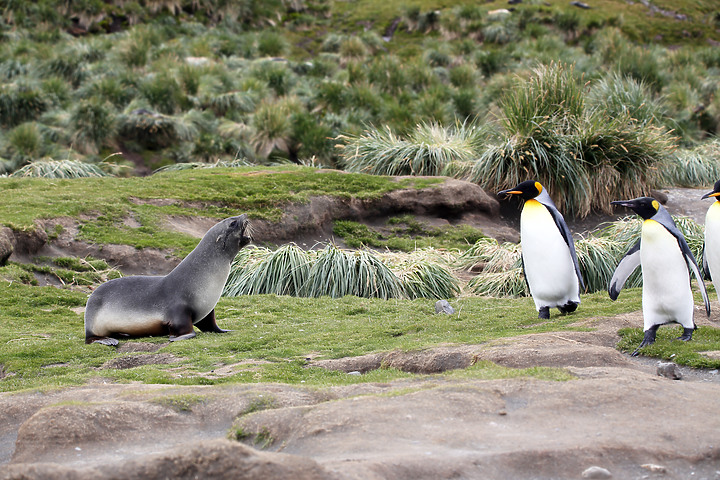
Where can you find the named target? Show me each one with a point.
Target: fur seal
(171, 304)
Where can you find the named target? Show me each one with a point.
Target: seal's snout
(247, 230)
(246, 233)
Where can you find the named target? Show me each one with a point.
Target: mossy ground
(272, 337)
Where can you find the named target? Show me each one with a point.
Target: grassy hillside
(147, 84)
(105, 203)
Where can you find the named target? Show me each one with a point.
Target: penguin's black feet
(544, 313)
(687, 334)
(648, 339)
(569, 307)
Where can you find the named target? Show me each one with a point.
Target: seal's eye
(233, 224)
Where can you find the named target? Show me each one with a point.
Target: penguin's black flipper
(705, 267)
(565, 232)
(692, 265)
(625, 268)
(522, 261)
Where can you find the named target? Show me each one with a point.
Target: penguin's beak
(710, 194)
(623, 203)
(509, 192)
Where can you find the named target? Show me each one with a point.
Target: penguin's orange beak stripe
(518, 192)
(716, 194)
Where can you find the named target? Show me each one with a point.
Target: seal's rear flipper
(208, 324)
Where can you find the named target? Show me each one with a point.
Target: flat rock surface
(616, 414)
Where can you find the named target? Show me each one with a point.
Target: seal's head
(234, 232)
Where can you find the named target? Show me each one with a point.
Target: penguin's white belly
(667, 296)
(549, 268)
(712, 243)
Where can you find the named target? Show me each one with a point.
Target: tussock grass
(193, 165)
(336, 272)
(583, 158)
(428, 150)
(425, 273)
(694, 168)
(261, 271)
(59, 169)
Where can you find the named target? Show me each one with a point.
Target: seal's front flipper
(208, 324)
(179, 323)
(110, 342)
(181, 337)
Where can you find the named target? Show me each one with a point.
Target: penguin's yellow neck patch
(652, 229)
(533, 208)
(715, 208)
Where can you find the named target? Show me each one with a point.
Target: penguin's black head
(646, 207)
(715, 192)
(527, 190)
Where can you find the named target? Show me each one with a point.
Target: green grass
(43, 338)
(405, 233)
(183, 402)
(667, 347)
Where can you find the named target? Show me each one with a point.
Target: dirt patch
(132, 361)
(131, 347)
(194, 226)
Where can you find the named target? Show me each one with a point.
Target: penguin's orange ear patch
(539, 187)
(656, 205)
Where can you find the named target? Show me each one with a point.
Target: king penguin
(711, 249)
(666, 262)
(549, 260)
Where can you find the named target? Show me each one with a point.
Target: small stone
(654, 468)
(669, 370)
(442, 306)
(596, 472)
(580, 5)
(354, 373)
